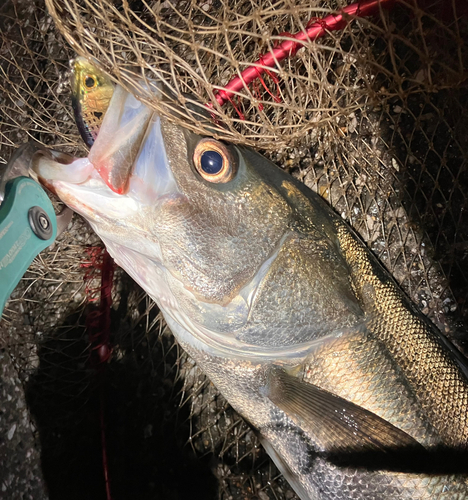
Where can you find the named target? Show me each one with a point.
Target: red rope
(98, 324)
(314, 29)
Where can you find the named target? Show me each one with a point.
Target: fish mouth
(128, 153)
(127, 160)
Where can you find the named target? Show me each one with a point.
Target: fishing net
(372, 116)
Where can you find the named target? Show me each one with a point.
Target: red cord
(98, 324)
(314, 29)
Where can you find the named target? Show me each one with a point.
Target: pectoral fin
(333, 423)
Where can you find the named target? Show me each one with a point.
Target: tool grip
(24, 231)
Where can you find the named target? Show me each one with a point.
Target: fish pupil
(211, 162)
(89, 82)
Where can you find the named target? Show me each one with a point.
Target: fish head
(197, 222)
(92, 90)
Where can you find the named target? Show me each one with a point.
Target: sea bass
(354, 394)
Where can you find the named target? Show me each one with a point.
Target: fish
(91, 91)
(352, 391)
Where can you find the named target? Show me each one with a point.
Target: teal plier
(28, 223)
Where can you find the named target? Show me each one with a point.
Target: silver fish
(354, 394)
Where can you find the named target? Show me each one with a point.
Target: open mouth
(115, 152)
(127, 158)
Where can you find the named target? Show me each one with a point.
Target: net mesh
(373, 117)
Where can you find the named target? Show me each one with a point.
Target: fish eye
(213, 161)
(89, 81)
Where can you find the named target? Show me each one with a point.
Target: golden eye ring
(213, 161)
(89, 81)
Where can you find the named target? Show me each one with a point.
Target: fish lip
(71, 193)
(63, 188)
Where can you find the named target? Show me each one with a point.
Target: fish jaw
(117, 147)
(127, 164)
(128, 155)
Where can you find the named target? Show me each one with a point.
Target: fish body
(352, 391)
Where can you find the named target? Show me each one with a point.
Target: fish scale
(343, 368)
(414, 345)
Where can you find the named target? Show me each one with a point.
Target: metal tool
(28, 223)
